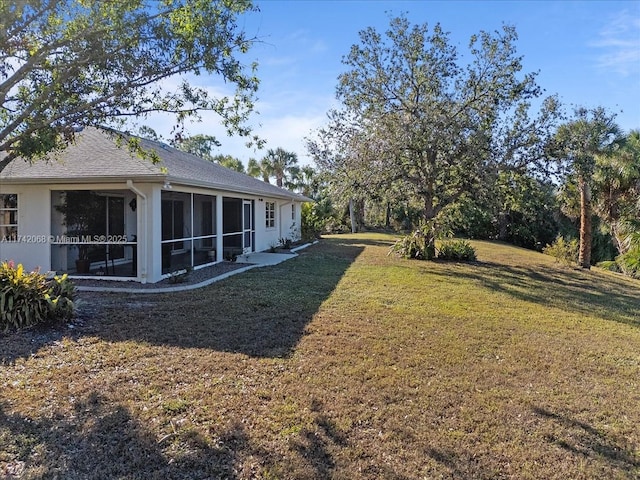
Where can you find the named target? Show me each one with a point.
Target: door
(247, 226)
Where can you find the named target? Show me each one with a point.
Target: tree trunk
(360, 214)
(618, 238)
(503, 223)
(429, 228)
(387, 217)
(352, 216)
(584, 258)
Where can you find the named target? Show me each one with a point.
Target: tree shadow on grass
(97, 440)
(317, 447)
(261, 313)
(583, 440)
(461, 464)
(584, 292)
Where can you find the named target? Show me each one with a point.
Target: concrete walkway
(263, 259)
(252, 260)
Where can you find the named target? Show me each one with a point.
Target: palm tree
(307, 181)
(617, 189)
(253, 168)
(266, 170)
(259, 169)
(293, 178)
(281, 164)
(591, 133)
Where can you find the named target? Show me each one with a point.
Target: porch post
(219, 242)
(153, 235)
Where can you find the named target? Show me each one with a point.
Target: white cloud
(290, 131)
(286, 130)
(620, 42)
(288, 109)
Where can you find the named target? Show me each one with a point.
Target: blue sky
(587, 52)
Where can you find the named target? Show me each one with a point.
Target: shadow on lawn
(260, 313)
(583, 440)
(586, 292)
(100, 440)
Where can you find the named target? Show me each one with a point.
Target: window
(270, 214)
(8, 216)
(293, 211)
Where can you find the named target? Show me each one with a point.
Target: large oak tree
(67, 63)
(435, 125)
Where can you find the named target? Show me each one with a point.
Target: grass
(342, 363)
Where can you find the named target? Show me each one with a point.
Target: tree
(253, 168)
(308, 182)
(340, 153)
(260, 169)
(617, 189)
(439, 128)
(149, 133)
(279, 163)
(577, 144)
(202, 146)
(230, 162)
(199, 145)
(65, 63)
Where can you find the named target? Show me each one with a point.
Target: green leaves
(457, 250)
(422, 120)
(563, 250)
(72, 62)
(280, 164)
(28, 298)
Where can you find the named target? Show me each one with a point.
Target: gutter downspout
(143, 269)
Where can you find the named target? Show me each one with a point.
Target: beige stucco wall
(34, 220)
(39, 224)
(38, 221)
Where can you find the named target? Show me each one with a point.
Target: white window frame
(5, 227)
(270, 215)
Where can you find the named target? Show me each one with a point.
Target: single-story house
(100, 209)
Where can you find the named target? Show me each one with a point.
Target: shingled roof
(97, 156)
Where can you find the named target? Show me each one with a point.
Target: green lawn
(343, 363)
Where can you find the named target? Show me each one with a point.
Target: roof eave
(82, 180)
(285, 195)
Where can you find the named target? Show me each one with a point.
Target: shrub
(629, 262)
(418, 245)
(312, 222)
(29, 298)
(609, 265)
(563, 251)
(285, 243)
(458, 250)
(320, 217)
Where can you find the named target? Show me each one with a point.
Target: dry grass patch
(341, 363)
